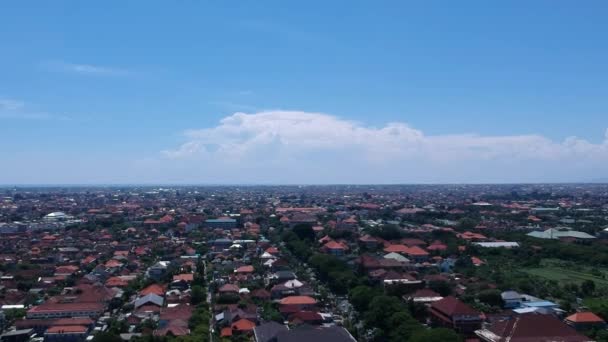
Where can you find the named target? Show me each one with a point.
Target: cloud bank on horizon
(302, 147)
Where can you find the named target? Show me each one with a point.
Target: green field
(565, 275)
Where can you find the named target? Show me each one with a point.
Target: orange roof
(325, 239)
(272, 250)
(88, 259)
(584, 317)
(298, 300)
(60, 329)
(335, 245)
(396, 249)
(154, 288)
(184, 277)
(116, 282)
(476, 261)
(415, 250)
(226, 332)
(245, 269)
(113, 263)
(243, 325)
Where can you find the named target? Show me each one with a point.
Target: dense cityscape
(305, 263)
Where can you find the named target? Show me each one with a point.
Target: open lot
(562, 274)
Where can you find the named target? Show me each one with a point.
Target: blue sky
(116, 92)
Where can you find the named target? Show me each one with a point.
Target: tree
(441, 287)
(387, 232)
(304, 232)
(198, 294)
(435, 335)
(588, 287)
(491, 297)
(361, 296)
(106, 337)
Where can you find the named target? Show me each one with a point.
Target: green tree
(106, 337)
(491, 297)
(588, 287)
(435, 335)
(361, 296)
(441, 287)
(304, 232)
(198, 294)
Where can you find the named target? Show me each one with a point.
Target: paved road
(209, 304)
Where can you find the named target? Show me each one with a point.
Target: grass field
(565, 275)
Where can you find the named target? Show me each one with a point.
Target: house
(562, 233)
(306, 317)
(452, 313)
(158, 270)
(424, 296)
(172, 330)
(248, 269)
(302, 218)
(512, 299)
(59, 310)
(305, 333)
(348, 224)
(335, 248)
(149, 299)
(268, 332)
(67, 333)
(540, 306)
(243, 326)
(469, 236)
(582, 321)
(369, 241)
(530, 327)
(417, 254)
(156, 289)
(397, 257)
(437, 247)
(497, 244)
(394, 277)
(401, 249)
(185, 278)
(176, 315)
(260, 294)
(297, 303)
(229, 288)
(282, 276)
(221, 223)
(22, 335)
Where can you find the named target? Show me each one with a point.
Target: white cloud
(14, 109)
(8, 104)
(301, 147)
(85, 69)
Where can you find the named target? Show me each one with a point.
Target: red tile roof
(335, 245)
(298, 300)
(584, 317)
(396, 249)
(245, 269)
(154, 288)
(534, 327)
(63, 307)
(243, 325)
(229, 288)
(451, 306)
(188, 277)
(226, 332)
(62, 329)
(416, 251)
